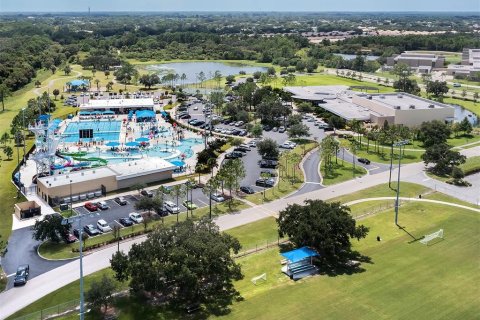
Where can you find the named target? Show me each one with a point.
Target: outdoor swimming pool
(102, 130)
(180, 151)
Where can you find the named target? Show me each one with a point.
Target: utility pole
(397, 203)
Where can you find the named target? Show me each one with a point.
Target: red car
(90, 206)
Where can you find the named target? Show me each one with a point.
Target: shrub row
(113, 240)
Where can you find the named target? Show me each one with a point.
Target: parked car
(281, 129)
(275, 129)
(242, 133)
(185, 116)
(247, 190)
(242, 149)
(120, 200)
(103, 226)
(234, 155)
(270, 173)
(268, 183)
(91, 230)
(69, 238)
(252, 144)
(192, 122)
(90, 207)
(189, 205)
(76, 233)
(21, 276)
(267, 127)
(171, 207)
(135, 217)
(217, 197)
(363, 160)
(126, 222)
(271, 164)
(147, 193)
(102, 205)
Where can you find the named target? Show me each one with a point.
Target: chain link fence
(53, 312)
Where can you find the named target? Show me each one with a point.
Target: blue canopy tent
(112, 144)
(108, 112)
(130, 115)
(179, 164)
(96, 112)
(300, 263)
(142, 139)
(84, 113)
(164, 114)
(145, 115)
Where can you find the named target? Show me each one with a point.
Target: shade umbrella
(112, 144)
(95, 112)
(132, 144)
(108, 112)
(142, 139)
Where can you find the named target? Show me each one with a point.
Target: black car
(21, 277)
(234, 155)
(185, 116)
(76, 233)
(363, 160)
(91, 230)
(198, 123)
(247, 190)
(270, 164)
(163, 212)
(120, 200)
(147, 193)
(268, 183)
(240, 149)
(267, 127)
(126, 222)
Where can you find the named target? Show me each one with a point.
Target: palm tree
(210, 187)
(183, 78)
(97, 82)
(178, 191)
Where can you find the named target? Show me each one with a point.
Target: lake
(461, 113)
(192, 69)
(353, 56)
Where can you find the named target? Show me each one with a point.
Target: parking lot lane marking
(202, 202)
(121, 225)
(310, 182)
(10, 275)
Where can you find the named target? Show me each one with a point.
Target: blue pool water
(102, 130)
(173, 154)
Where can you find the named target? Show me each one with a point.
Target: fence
(261, 246)
(52, 312)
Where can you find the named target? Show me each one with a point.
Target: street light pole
(397, 203)
(23, 132)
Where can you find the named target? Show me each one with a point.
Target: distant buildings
(470, 64)
(420, 62)
(396, 108)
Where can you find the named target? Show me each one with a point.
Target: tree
(298, 130)
(437, 88)
(126, 73)
(475, 96)
(267, 148)
(233, 172)
(109, 85)
(106, 73)
(256, 130)
(210, 188)
(328, 148)
(465, 126)
(4, 93)
(51, 228)
(101, 293)
(304, 107)
(37, 83)
(149, 80)
(4, 138)
(97, 82)
(443, 158)
(464, 93)
(326, 227)
(56, 92)
(457, 173)
(187, 263)
(434, 132)
(178, 192)
(8, 152)
(67, 70)
(230, 79)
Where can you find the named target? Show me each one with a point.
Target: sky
(238, 5)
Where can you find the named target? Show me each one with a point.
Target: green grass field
(340, 173)
(405, 280)
(469, 105)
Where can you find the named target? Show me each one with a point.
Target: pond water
(461, 113)
(192, 69)
(353, 56)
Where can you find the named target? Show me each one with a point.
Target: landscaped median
(60, 251)
(343, 171)
(471, 166)
(291, 175)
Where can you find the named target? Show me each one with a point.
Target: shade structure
(132, 144)
(84, 113)
(112, 144)
(299, 254)
(108, 112)
(142, 139)
(43, 117)
(178, 163)
(78, 83)
(142, 114)
(96, 112)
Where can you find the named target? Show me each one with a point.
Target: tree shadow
(347, 263)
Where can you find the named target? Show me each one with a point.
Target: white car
(135, 217)
(195, 108)
(103, 226)
(287, 145)
(293, 144)
(217, 197)
(171, 207)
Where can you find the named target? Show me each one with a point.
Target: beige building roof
(118, 103)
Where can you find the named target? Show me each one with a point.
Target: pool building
(96, 182)
(117, 106)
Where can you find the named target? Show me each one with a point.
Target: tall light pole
(397, 204)
(23, 132)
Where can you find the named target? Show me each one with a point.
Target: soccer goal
(260, 277)
(429, 237)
